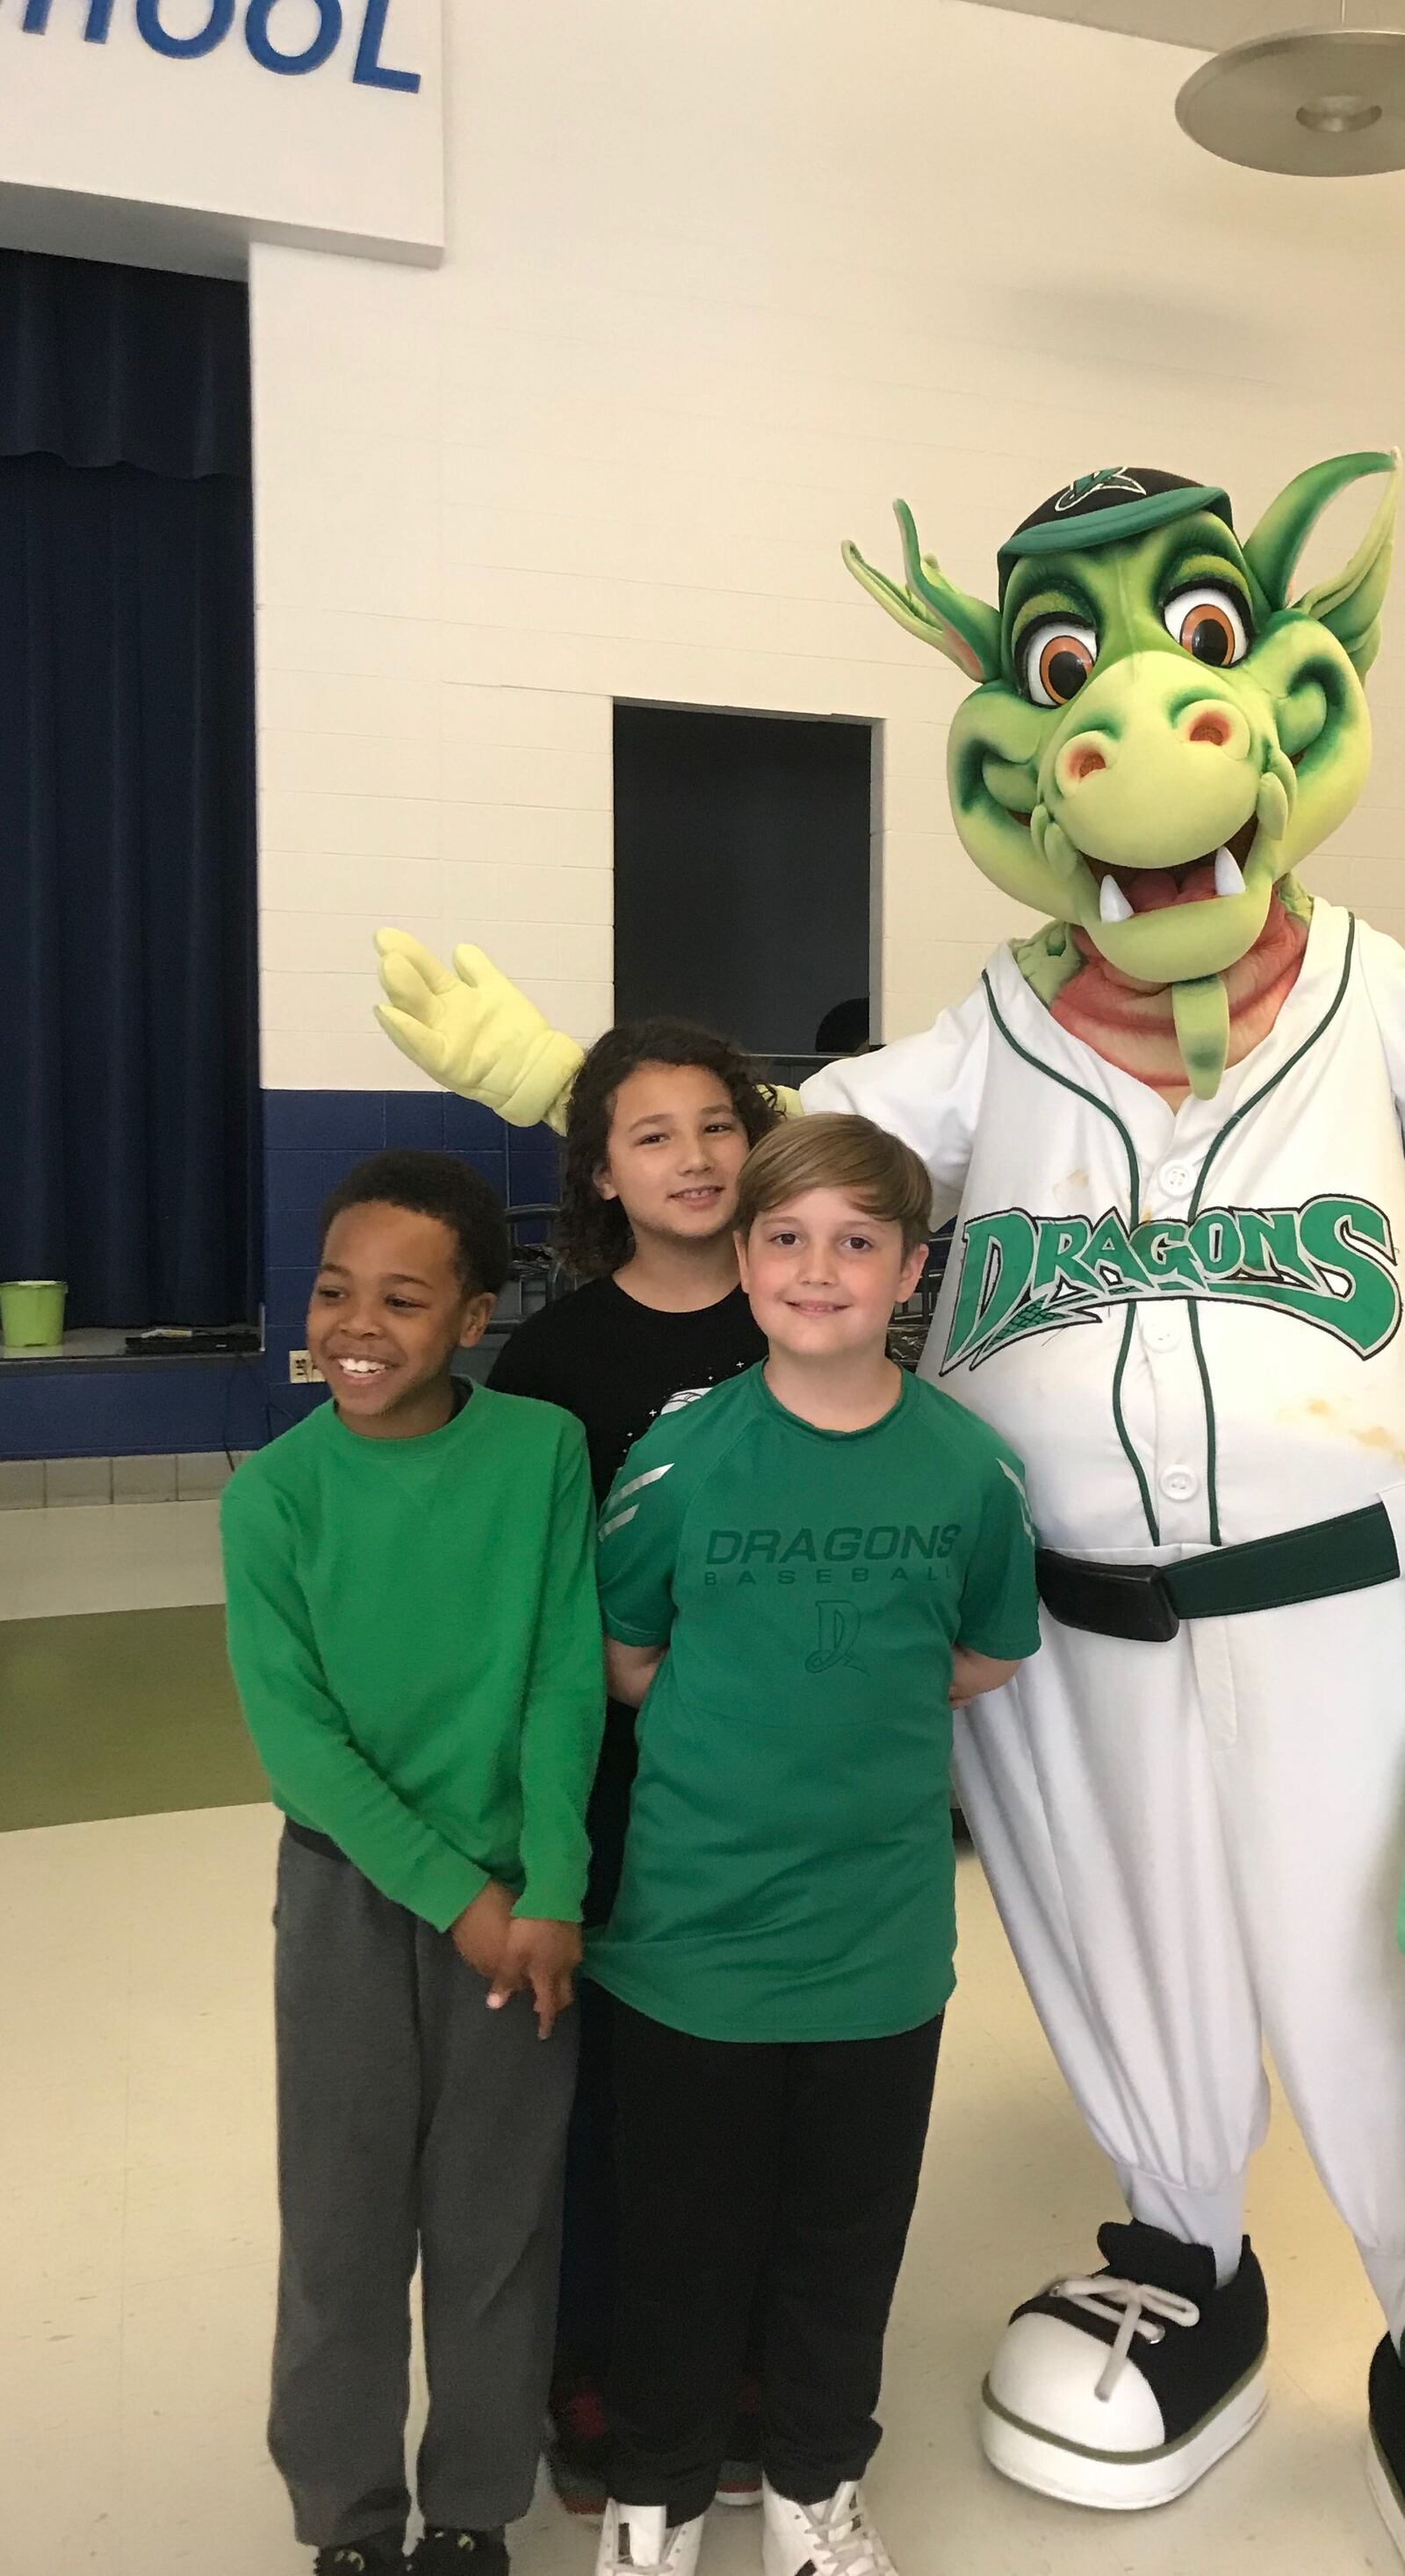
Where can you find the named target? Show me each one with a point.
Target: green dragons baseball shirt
(789, 1869)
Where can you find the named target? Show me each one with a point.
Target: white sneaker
(635, 2540)
(835, 2538)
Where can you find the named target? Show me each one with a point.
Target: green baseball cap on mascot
(1099, 509)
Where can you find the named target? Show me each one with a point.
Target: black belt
(1148, 1602)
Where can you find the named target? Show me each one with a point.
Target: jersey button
(1180, 1484)
(1177, 1180)
(1160, 1332)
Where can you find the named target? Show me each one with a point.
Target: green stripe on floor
(123, 1713)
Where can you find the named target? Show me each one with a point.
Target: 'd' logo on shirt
(839, 1628)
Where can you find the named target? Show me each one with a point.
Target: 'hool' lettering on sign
(264, 23)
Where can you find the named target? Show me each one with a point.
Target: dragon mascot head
(1160, 735)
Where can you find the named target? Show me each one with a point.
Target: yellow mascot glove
(474, 1032)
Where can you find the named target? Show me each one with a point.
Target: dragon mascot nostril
(1168, 1126)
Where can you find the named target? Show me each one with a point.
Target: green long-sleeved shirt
(416, 1642)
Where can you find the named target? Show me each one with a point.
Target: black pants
(778, 2179)
(588, 2240)
(589, 2256)
(585, 2311)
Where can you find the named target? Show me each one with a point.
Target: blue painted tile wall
(311, 1139)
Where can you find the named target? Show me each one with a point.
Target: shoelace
(1134, 2307)
(842, 2541)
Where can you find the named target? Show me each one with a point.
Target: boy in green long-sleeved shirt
(414, 1633)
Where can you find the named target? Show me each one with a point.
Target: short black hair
(438, 1185)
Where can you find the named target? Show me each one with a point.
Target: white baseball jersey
(1188, 1323)
(1188, 1326)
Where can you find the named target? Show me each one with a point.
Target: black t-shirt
(615, 1364)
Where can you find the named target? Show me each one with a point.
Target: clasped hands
(512, 1951)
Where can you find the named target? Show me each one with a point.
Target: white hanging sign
(316, 122)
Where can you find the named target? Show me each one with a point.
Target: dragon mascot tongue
(1169, 1129)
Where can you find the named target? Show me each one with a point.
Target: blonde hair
(834, 1152)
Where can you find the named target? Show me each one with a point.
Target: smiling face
(1161, 749)
(676, 1145)
(389, 1308)
(823, 1275)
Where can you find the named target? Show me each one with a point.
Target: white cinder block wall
(724, 276)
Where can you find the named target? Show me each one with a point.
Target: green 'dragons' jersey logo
(1330, 1263)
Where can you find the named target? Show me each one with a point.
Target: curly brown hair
(592, 1235)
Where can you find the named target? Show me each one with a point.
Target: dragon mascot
(1168, 1127)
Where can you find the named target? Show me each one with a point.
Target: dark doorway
(741, 871)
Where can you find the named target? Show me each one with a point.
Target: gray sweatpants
(411, 2122)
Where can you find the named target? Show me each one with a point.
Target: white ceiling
(1208, 26)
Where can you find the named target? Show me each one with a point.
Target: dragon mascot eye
(1056, 660)
(1210, 624)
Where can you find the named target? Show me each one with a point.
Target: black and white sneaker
(1385, 2461)
(442, 2551)
(384, 2557)
(639, 2540)
(832, 2538)
(447, 2551)
(1121, 2388)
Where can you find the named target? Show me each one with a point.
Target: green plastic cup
(31, 1313)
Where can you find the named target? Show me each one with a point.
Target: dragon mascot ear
(931, 606)
(1350, 605)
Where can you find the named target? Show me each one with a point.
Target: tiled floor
(114, 1685)
(137, 2235)
(120, 1713)
(108, 1556)
(137, 2253)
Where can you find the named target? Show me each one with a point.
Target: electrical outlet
(301, 1371)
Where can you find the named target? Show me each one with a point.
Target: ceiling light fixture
(1324, 103)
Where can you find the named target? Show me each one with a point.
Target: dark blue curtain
(128, 963)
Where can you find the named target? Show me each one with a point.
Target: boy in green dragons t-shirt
(416, 1640)
(799, 1570)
